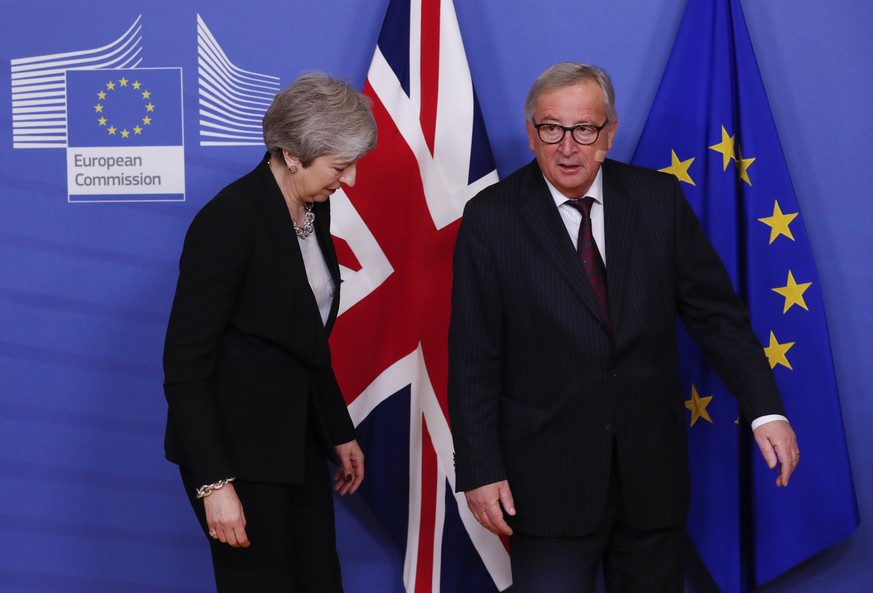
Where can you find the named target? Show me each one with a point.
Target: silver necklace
(308, 216)
(308, 219)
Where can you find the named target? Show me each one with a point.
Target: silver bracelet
(207, 489)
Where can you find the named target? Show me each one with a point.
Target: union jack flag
(395, 231)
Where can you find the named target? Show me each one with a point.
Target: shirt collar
(595, 191)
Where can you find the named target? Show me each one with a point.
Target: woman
(254, 406)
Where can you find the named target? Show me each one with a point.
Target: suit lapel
(278, 224)
(538, 209)
(621, 211)
(291, 269)
(278, 221)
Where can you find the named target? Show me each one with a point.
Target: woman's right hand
(225, 517)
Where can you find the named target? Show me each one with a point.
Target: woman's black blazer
(247, 365)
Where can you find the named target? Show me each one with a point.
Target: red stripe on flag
(430, 68)
(345, 255)
(427, 517)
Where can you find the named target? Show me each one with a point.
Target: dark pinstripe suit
(540, 394)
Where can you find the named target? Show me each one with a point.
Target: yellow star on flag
(725, 147)
(778, 223)
(125, 133)
(150, 107)
(101, 95)
(679, 168)
(776, 352)
(793, 293)
(146, 94)
(697, 405)
(123, 81)
(110, 85)
(743, 166)
(98, 108)
(136, 85)
(111, 130)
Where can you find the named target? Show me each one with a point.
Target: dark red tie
(592, 263)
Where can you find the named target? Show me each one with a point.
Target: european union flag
(711, 126)
(124, 107)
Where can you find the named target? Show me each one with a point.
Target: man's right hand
(488, 503)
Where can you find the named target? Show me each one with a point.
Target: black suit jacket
(541, 394)
(246, 360)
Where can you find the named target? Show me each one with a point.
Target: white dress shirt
(318, 275)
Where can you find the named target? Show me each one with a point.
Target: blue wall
(88, 504)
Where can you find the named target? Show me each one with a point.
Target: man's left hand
(778, 445)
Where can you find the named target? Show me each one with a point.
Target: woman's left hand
(350, 473)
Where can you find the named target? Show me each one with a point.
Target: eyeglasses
(583, 134)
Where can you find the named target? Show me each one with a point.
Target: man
(569, 426)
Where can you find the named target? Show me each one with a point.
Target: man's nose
(567, 145)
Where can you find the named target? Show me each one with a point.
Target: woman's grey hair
(318, 115)
(566, 74)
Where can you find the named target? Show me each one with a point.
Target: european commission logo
(125, 135)
(121, 124)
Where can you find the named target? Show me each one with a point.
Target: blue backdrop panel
(88, 503)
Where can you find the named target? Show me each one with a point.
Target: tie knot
(583, 205)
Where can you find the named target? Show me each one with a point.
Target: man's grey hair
(567, 74)
(318, 115)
